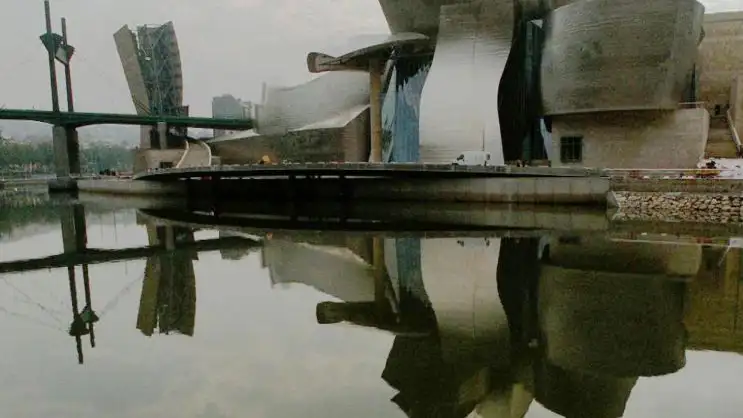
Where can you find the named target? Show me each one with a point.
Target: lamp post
(48, 39)
(58, 49)
(68, 51)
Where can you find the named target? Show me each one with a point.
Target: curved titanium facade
(459, 104)
(603, 55)
(289, 108)
(422, 16)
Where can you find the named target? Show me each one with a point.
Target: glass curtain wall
(400, 107)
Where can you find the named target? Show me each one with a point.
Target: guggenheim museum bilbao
(600, 83)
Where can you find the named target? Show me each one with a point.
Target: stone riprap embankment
(679, 207)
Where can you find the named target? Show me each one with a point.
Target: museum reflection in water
(489, 324)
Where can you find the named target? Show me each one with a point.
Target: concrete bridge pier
(162, 135)
(66, 158)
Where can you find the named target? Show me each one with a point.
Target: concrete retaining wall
(131, 187)
(575, 190)
(555, 190)
(677, 185)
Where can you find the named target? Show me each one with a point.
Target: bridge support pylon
(162, 135)
(66, 158)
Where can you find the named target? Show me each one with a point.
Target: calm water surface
(361, 325)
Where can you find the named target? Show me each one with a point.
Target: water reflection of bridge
(168, 298)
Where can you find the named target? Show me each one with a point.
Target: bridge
(79, 119)
(88, 256)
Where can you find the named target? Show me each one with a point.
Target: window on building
(571, 149)
(718, 110)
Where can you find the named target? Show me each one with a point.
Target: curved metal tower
(152, 65)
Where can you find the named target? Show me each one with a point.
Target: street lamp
(59, 50)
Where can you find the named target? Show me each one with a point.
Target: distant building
(227, 106)
(152, 66)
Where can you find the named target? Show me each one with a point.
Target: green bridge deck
(78, 119)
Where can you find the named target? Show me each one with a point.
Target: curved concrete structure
(603, 55)
(459, 103)
(197, 154)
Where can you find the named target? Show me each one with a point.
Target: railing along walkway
(734, 133)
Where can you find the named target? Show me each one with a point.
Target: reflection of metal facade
(152, 65)
(320, 267)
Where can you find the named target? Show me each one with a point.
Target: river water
(275, 322)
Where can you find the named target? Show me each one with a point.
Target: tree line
(26, 158)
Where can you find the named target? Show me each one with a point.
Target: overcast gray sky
(227, 46)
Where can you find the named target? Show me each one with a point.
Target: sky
(227, 46)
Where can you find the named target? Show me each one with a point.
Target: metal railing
(692, 105)
(734, 133)
(667, 174)
(184, 155)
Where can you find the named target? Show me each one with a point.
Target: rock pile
(679, 207)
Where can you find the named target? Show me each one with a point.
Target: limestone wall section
(720, 57)
(651, 139)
